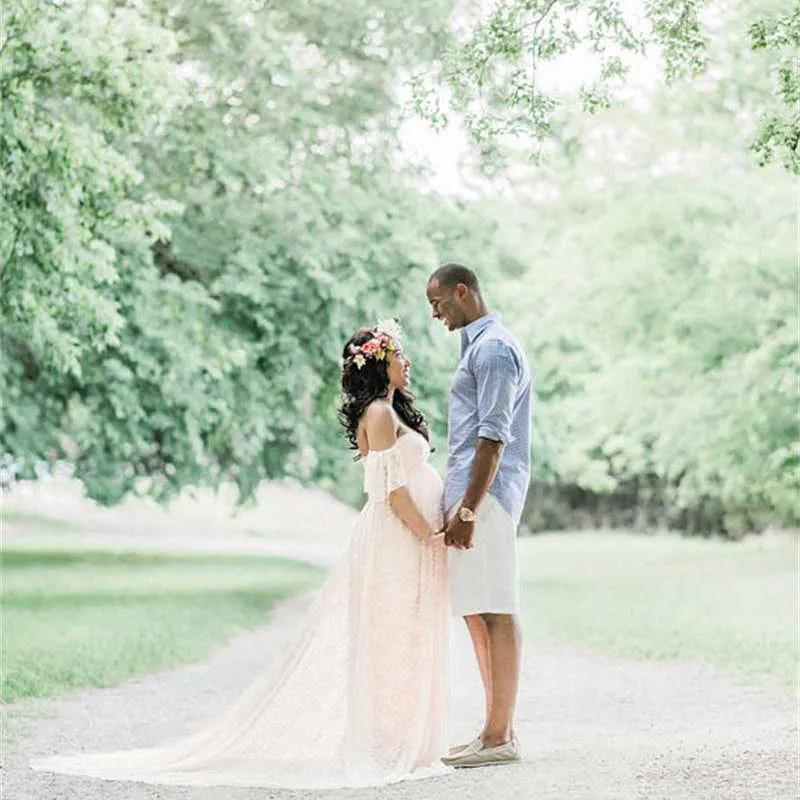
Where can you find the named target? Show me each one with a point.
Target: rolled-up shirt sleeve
(497, 374)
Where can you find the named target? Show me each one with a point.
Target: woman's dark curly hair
(361, 386)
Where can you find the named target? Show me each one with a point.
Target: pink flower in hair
(372, 347)
(382, 342)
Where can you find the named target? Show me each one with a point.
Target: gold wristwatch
(467, 514)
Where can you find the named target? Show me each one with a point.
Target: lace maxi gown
(361, 697)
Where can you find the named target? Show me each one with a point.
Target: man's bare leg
(476, 626)
(480, 643)
(504, 658)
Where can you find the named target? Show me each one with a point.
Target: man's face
(445, 304)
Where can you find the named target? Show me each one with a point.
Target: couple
(361, 698)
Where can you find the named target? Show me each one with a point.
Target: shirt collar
(475, 328)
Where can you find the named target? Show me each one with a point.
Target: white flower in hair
(391, 327)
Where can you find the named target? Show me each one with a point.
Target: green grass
(39, 522)
(74, 619)
(666, 597)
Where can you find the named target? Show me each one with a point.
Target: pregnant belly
(425, 487)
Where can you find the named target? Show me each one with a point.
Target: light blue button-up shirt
(490, 398)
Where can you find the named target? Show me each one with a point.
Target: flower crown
(386, 337)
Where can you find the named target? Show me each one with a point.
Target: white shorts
(485, 579)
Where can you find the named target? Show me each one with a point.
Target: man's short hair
(448, 275)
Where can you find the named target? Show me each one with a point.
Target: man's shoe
(476, 755)
(460, 748)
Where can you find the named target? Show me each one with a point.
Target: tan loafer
(460, 748)
(476, 755)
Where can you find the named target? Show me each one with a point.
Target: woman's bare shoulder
(378, 409)
(378, 423)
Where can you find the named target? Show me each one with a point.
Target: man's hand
(458, 534)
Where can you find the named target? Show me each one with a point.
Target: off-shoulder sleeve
(384, 471)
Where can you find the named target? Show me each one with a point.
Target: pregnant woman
(361, 697)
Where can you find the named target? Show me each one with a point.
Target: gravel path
(592, 728)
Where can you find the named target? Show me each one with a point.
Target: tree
(81, 87)
(780, 124)
(662, 336)
(240, 185)
(500, 71)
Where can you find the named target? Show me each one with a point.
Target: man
(487, 476)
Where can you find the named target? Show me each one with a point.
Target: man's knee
(500, 620)
(475, 621)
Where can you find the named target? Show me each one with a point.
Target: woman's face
(397, 365)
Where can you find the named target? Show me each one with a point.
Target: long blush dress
(361, 697)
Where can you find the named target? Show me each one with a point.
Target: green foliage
(494, 70)
(663, 338)
(80, 86)
(163, 610)
(200, 203)
(779, 130)
(499, 72)
(226, 214)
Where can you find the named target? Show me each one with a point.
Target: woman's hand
(427, 535)
(437, 538)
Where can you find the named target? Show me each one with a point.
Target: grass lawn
(72, 619)
(666, 597)
(30, 520)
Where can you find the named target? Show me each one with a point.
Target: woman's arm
(405, 508)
